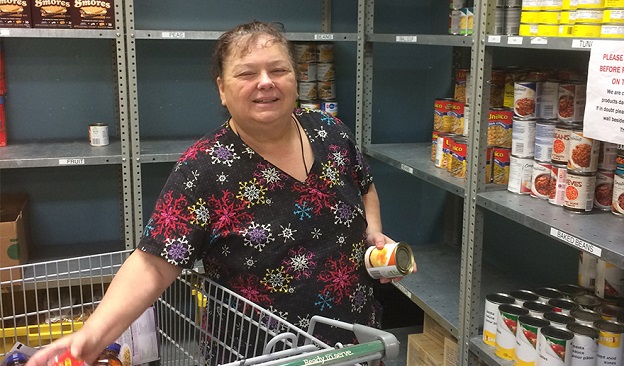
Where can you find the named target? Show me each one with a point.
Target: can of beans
(506, 327)
(584, 344)
(544, 136)
(492, 302)
(570, 290)
(607, 156)
(393, 260)
(327, 89)
(559, 320)
(609, 281)
(520, 170)
(554, 346)
(617, 205)
(587, 302)
(307, 71)
(310, 104)
(307, 90)
(98, 134)
(579, 194)
(584, 152)
(571, 102)
(500, 165)
(558, 176)
(587, 271)
(561, 142)
(330, 107)
(523, 296)
(525, 99)
(523, 138)
(563, 306)
(610, 344)
(547, 293)
(526, 339)
(500, 122)
(537, 308)
(325, 52)
(325, 71)
(540, 180)
(604, 190)
(619, 159)
(441, 119)
(585, 316)
(547, 98)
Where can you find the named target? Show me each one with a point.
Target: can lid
(500, 298)
(609, 326)
(583, 329)
(513, 309)
(562, 303)
(524, 295)
(558, 318)
(558, 333)
(588, 300)
(585, 314)
(533, 321)
(571, 290)
(538, 306)
(404, 258)
(548, 292)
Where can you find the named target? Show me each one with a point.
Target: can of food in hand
(544, 136)
(393, 260)
(520, 170)
(617, 200)
(540, 180)
(562, 305)
(492, 302)
(609, 280)
(587, 271)
(561, 142)
(537, 308)
(558, 176)
(523, 296)
(525, 99)
(500, 123)
(579, 194)
(523, 138)
(500, 165)
(584, 152)
(604, 190)
(554, 346)
(506, 327)
(526, 339)
(98, 134)
(610, 343)
(571, 102)
(584, 344)
(441, 119)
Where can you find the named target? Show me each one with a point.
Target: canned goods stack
(572, 18)
(461, 17)
(562, 325)
(317, 86)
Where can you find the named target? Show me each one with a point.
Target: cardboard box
(15, 14)
(51, 13)
(92, 14)
(13, 234)
(422, 350)
(451, 352)
(435, 331)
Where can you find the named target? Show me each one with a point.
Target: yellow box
(36, 335)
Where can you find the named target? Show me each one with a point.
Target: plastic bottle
(16, 359)
(110, 356)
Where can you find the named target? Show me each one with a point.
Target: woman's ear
(221, 92)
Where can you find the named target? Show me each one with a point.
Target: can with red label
(604, 190)
(500, 122)
(441, 119)
(506, 327)
(492, 302)
(579, 194)
(558, 176)
(393, 260)
(584, 152)
(461, 78)
(459, 151)
(617, 205)
(500, 165)
(525, 99)
(571, 102)
(554, 346)
(561, 142)
(456, 114)
(540, 180)
(526, 339)
(520, 170)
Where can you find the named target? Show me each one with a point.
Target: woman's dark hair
(244, 36)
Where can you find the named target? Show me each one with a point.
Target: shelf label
(494, 39)
(407, 39)
(574, 241)
(514, 40)
(174, 35)
(402, 289)
(73, 161)
(407, 168)
(324, 36)
(582, 43)
(539, 40)
(5, 32)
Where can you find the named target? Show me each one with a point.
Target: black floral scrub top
(294, 248)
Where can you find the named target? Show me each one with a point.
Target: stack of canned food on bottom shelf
(316, 82)
(569, 324)
(560, 18)
(461, 17)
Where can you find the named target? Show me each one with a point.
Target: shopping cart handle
(363, 333)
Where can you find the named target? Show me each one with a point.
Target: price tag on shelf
(403, 289)
(514, 40)
(73, 161)
(582, 43)
(539, 40)
(407, 39)
(178, 35)
(574, 241)
(324, 37)
(407, 168)
(494, 39)
(5, 32)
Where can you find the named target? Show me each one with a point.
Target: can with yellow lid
(586, 30)
(613, 16)
(612, 31)
(393, 260)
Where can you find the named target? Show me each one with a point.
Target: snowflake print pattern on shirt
(293, 247)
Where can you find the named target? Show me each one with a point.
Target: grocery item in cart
(110, 356)
(16, 359)
(66, 359)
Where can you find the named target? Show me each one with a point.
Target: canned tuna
(492, 302)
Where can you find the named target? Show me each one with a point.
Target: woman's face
(258, 84)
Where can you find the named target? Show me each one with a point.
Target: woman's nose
(265, 80)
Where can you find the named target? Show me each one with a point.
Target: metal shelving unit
(550, 43)
(60, 33)
(37, 155)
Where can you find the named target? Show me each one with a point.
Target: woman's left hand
(379, 240)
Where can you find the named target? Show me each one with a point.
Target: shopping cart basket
(220, 327)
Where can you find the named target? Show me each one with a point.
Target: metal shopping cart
(199, 322)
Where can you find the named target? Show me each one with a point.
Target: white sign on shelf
(604, 105)
(5, 32)
(407, 168)
(494, 39)
(71, 161)
(514, 40)
(324, 37)
(574, 241)
(539, 40)
(178, 35)
(408, 39)
(582, 43)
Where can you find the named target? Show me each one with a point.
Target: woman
(280, 206)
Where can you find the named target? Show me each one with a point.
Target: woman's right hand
(82, 347)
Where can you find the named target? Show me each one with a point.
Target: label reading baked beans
(561, 144)
(500, 122)
(604, 190)
(584, 152)
(525, 98)
(571, 102)
(540, 180)
(579, 194)
(617, 199)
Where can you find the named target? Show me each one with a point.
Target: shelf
(58, 33)
(164, 151)
(600, 232)
(214, 35)
(550, 43)
(422, 39)
(486, 353)
(51, 154)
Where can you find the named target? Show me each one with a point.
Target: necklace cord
(305, 165)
